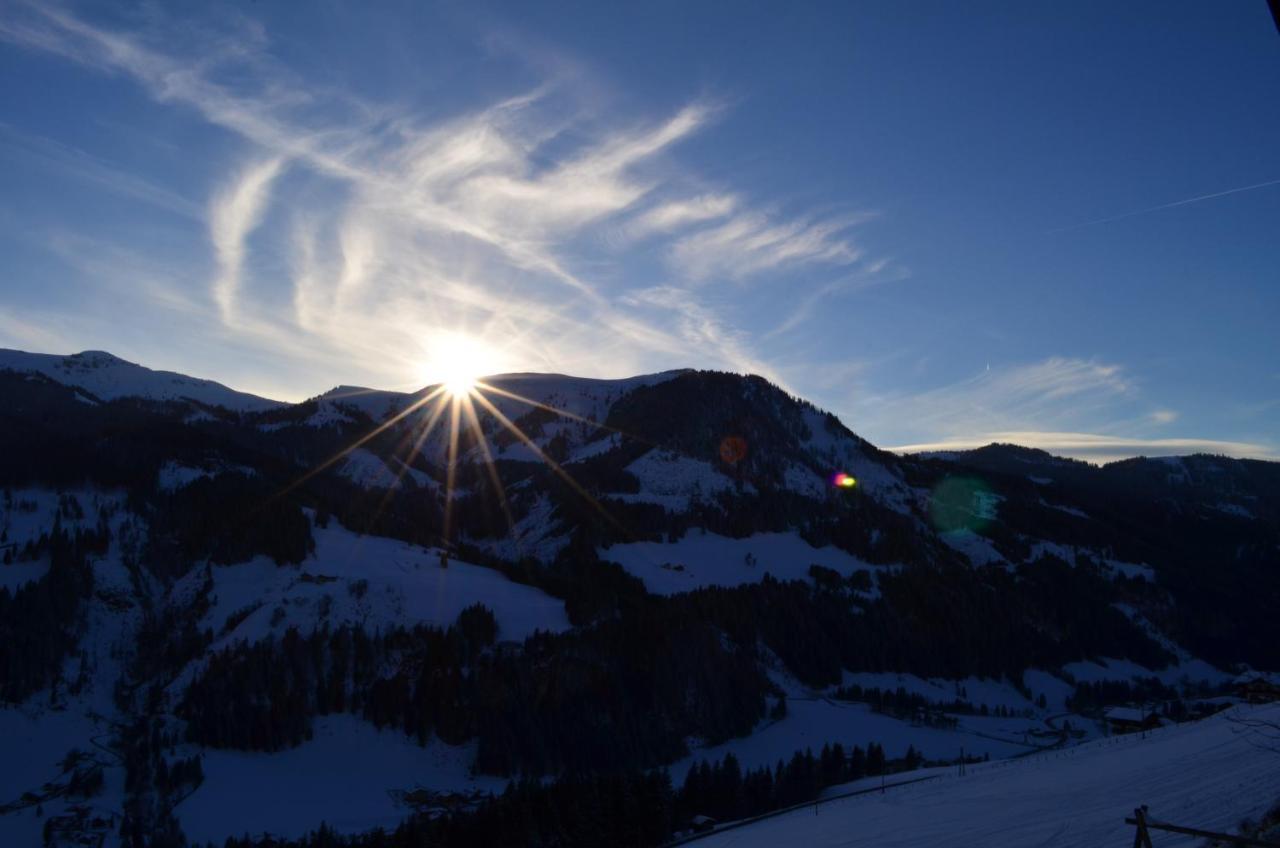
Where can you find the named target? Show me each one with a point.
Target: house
(1130, 719)
(1258, 687)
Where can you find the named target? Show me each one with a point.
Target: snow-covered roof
(1271, 678)
(1129, 714)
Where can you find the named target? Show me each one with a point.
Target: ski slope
(1205, 774)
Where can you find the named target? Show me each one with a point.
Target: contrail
(1167, 206)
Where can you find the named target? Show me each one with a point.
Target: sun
(456, 362)
(460, 384)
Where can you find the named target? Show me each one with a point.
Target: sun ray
(363, 440)
(469, 408)
(480, 385)
(418, 440)
(551, 463)
(451, 471)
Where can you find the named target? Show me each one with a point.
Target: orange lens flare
(843, 481)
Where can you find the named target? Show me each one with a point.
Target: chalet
(1258, 687)
(1130, 719)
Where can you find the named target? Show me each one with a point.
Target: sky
(950, 224)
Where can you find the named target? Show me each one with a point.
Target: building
(1258, 687)
(1131, 719)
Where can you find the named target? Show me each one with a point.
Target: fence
(1142, 837)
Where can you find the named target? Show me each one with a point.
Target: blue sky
(948, 223)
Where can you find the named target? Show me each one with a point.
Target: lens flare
(733, 449)
(843, 481)
(962, 504)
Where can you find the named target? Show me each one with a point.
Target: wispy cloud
(1028, 405)
(676, 214)
(1028, 396)
(753, 242)
(873, 273)
(235, 211)
(392, 227)
(68, 161)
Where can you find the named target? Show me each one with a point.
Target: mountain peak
(108, 377)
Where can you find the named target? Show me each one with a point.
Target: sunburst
(452, 400)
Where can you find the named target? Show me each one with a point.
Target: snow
(977, 548)
(1186, 666)
(1040, 481)
(1063, 552)
(420, 478)
(590, 449)
(814, 721)
(976, 690)
(36, 736)
(175, 475)
(535, 535)
(375, 403)
(33, 742)
(1204, 774)
(843, 452)
(1108, 668)
(1234, 509)
(1055, 689)
(346, 776)
(108, 377)
(708, 559)
(673, 480)
(328, 415)
(367, 470)
(31, 512)
(580, 396)
(405, 586)
(804, 481)
(1129, 569)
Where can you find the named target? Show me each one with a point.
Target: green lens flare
(962, 503)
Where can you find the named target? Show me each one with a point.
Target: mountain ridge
(665, 571)
(107, 376)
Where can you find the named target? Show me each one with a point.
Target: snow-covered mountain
(106, 377)
(220, 614)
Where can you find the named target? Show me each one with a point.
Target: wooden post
(1141, 838)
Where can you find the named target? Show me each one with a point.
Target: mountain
(223, 615)
(106, 377)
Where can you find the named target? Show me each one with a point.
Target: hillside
(204, 594)
(1205, 775)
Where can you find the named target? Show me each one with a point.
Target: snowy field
(346, 776)
(707, 559)
(813, 722)
(1205, 775)
(371, 581)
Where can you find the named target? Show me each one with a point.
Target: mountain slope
(1205, 775)
(608, 576)
(107, 377)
